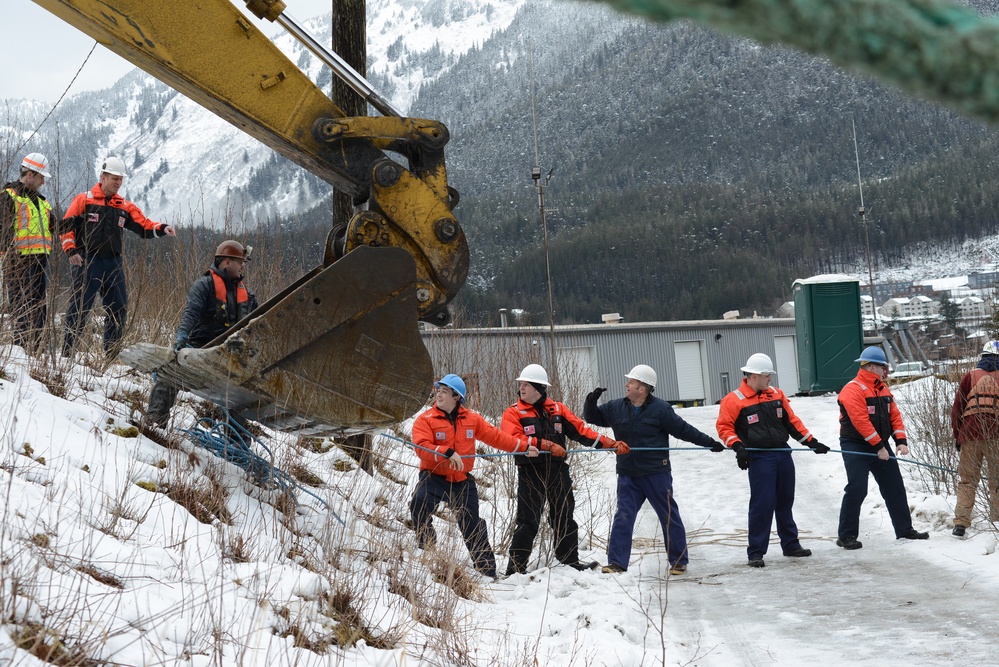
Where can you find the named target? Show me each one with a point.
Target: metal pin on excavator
(340, 348)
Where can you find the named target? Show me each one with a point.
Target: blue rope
(796, 450)
(230, 441)
(464, 456)
(897, 458)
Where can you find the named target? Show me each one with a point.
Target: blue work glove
(180, 342)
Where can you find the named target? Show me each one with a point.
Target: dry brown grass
(50, 646)
(205, 504)
(100, 575)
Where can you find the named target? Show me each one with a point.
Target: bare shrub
(456, 577)
(204, 504)
(50, 646)
(236, 547)
(133, 398)
(305, 476)
(54, 380)
(927, 415)
(122, 515)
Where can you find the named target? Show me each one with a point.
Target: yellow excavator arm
(340, 348)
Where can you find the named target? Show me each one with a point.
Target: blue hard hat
(454, 382)
(873, 355)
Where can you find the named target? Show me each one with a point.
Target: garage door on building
(689, 371)
(786, 364)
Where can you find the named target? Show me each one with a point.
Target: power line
(57, 102)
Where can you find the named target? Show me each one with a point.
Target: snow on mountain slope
(189, 167)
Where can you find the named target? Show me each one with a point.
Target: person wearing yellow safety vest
(26, 228)
(215, 302)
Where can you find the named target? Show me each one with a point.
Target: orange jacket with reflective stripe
(868, 412)
(556, 424)
(93, 224)
(761, 420)
(434, 429)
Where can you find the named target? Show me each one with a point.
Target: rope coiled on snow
(230, 441)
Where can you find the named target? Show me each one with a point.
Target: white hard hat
(113, 166)
(534, 373)
(759, 364)
(992, 347)
(643, 373)
(36, 162)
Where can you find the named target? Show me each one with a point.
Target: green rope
(930, 48)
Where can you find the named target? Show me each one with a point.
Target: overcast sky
(41, 52)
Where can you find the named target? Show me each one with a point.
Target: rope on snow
(230, 441)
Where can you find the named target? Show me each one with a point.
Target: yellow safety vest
(32, 235)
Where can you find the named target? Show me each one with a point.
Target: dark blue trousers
(632, 492)
(463, 499)
(26, 282)
(97, 276)
(889, 479)
(771, 492)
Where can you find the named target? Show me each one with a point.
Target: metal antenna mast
(863, 220)
(540, 187)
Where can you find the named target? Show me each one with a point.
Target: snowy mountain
(187, 166)
(672, 146)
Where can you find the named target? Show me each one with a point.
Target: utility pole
(349, 41)
(540, 186)
(863, 220)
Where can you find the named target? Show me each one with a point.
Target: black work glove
(741, 456)
(717, 446)
(595, 394)
(819, 447)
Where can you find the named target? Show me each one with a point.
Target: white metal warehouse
(697, 362)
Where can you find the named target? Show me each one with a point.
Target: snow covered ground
(123, 574)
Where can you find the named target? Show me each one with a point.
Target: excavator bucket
(339, 351)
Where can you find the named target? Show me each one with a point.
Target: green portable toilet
(829, 331)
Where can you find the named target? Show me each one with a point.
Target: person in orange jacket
(546, 479)
(445, 436)
(868, 417)
(759, 417)
(91, 236)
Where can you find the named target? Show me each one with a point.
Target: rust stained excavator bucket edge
(363, 363)
(339, 353)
